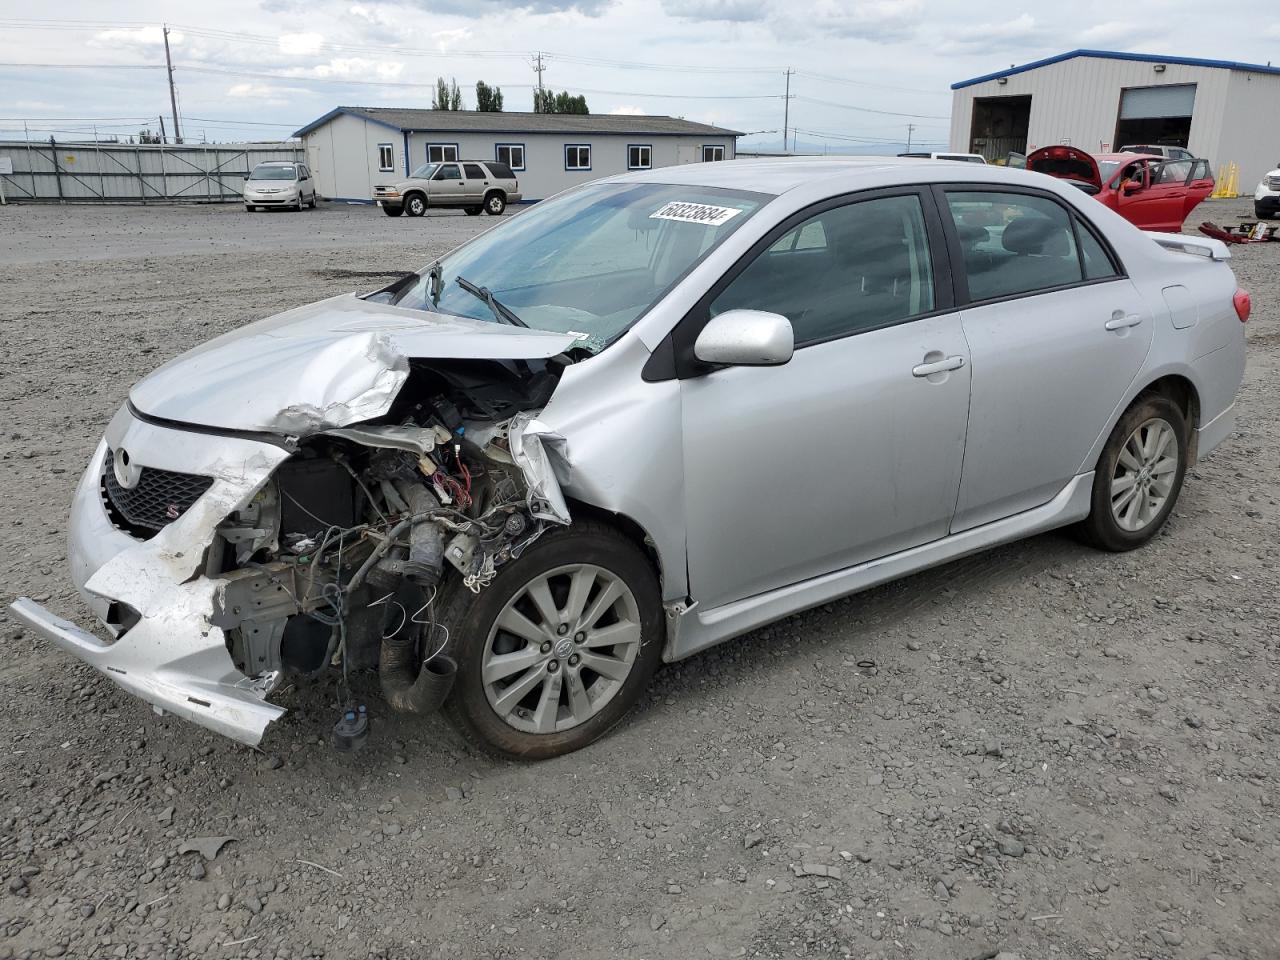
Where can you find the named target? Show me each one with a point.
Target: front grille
(1273, 183)
(158, 498)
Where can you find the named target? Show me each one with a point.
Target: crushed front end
(221, 562)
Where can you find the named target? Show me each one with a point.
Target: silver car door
(1057, 333)
(445, 187)
(853, 449)
(475, 182)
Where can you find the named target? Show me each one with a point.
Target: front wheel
(392, 211)
(494, 204)
(1139, 475)
(250, 209)
(415, 205)
(556, 650)
(1260, 213)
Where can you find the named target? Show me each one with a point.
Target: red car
(1149, 191)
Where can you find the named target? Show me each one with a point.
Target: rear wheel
(494, 204)
(392, 211)
(312, 204)
(415, 205)
(473, 211)
(1139, 475)
(559, 647)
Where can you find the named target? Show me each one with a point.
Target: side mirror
(1130, 187)
(746, 338)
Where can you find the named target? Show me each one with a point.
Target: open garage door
(1156, 115)
(999, 126)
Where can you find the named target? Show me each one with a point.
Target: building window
(712, 151)
(512, 154)
(639, 156)
(441, 152)
(386, 157)
(577, 156)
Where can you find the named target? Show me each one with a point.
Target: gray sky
(282, 63)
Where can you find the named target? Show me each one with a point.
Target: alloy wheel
(1144, 474)
(561, 649)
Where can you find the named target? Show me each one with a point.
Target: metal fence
(49, 171)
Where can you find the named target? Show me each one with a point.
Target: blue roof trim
(1115, 55)
(337, 112)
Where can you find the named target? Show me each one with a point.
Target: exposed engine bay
(339, 559)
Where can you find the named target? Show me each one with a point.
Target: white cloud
(733, 11)
(1020, 33)
(628, 111)
(300, 44)
(358, 68)
(448, 39)
(1116, 33)
(884, 21)
(134, 37)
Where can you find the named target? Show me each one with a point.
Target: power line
(886, 113)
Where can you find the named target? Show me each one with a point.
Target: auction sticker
(712, 216)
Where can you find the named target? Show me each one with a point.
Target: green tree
(545, 101)
(488, 99)
(447, 95)
(146, 136)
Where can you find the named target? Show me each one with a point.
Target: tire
(312, 204)
(1138, 449)
(250, 209)
(415, 205)
(1261, 213)
(495, 203)
(600, 557)
(298, 208)
(473, 211)
(392, 211)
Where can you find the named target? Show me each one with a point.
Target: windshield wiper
(499, 310)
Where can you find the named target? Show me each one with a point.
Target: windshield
(1106, 168)
(425, 171)
(590, 262)
(273, 173)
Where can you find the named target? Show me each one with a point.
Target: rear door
(1170, 183)
(476, 179)
(1057, 334)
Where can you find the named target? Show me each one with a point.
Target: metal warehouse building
(1100, 101)
(350, 149)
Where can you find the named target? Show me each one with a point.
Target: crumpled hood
(328, 364)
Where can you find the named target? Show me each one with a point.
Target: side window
(475, 171)
(1171, 172)
(512, 154)
(386, 157)
(852, 268)
(449, 171)
(441, 152)
(1094, 258)
(1014, 243)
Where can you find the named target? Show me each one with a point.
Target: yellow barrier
(1228, 182)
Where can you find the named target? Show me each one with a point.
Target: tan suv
(473, 185)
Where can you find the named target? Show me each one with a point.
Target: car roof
(1126, 155)
(777, 175)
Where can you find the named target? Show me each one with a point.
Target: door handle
(1120, 320)
(937, 366)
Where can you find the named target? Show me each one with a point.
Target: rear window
(501, 171)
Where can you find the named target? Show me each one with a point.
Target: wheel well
(624, 525)
(501, 193)
(413, 193)
(1183, 393)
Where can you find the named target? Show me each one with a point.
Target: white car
(945, 155)
(279, 183)
(1266, 199)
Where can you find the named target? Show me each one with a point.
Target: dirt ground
(1043, 750)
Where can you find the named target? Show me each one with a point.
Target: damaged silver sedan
(645, 416)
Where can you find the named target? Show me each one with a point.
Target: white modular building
(1100, 101)
(351, 149)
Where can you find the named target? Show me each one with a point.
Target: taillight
(1243, 304)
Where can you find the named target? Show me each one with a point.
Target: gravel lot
(1043, 749)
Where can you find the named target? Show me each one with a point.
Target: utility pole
(911, 128)
(786, 110)
(163, 137)
(538, 67)
(173, 97)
